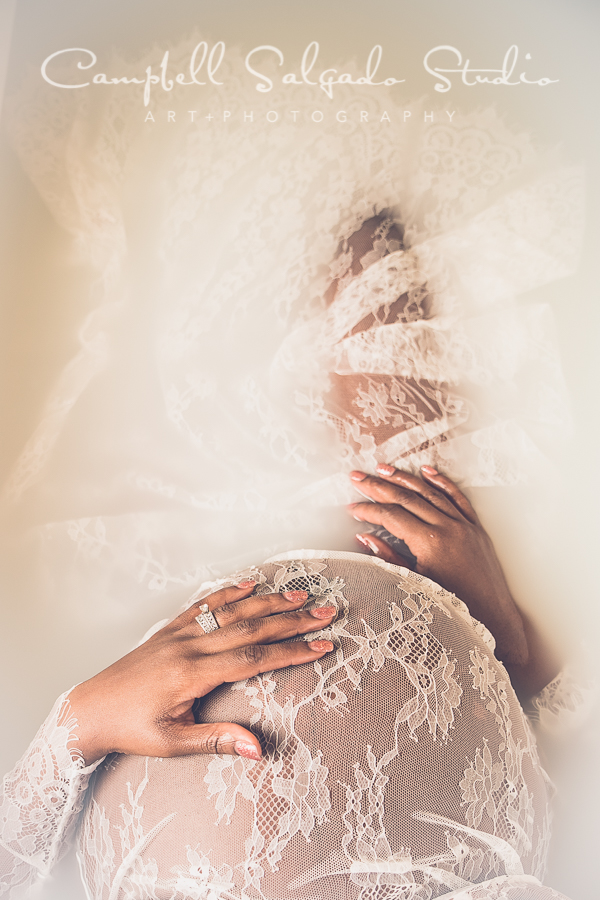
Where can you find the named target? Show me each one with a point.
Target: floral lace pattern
(568, 699)
(41, 799)
(414, 348)
(363, 786)
(401, 765)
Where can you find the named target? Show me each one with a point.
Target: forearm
(542, 666)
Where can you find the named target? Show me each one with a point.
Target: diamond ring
(206, 620)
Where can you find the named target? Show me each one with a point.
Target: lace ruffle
(567, 701)
(42, 798)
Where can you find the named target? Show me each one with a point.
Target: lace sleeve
(40, 800)
(566, 702)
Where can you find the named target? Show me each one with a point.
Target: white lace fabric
(41, 800)
(251, 226)
(215, 406)
(398, 766)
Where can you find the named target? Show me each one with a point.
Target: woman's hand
(142, 704)
(443, 532)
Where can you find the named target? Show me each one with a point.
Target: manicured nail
(384, 469)
(429, 470)
(364, 539)
(323, 612)
(295, 596)
(320, 645)
(244, 585)
(358, 476)
(350, 509)
(247, 750)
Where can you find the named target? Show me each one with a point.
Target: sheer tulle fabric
(306, 300)
(248, 344)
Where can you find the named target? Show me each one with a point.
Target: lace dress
(280, 305)
(401, 765)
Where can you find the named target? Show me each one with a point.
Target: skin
(142, 704)
(442, 530)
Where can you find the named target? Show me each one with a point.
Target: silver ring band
(206, 620)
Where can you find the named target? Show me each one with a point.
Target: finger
(452, 491)
(408, 482)
(257, 606)
(395, 519)
(431, 493)
(252, 659)
(217, 737)
(266, 630)
(382, 550)
(222, 597)
(230, 594)
(392, 492)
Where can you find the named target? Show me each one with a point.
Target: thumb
(214, 737)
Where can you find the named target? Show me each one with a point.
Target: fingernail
(246, 584)
(358, 476)
(294, 596)
(320, 645)
(384, 469)
(247, 750)
(429, 470)
(367, 542)
(323, 612)
(350, 507)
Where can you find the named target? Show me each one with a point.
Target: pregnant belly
(401, 759)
